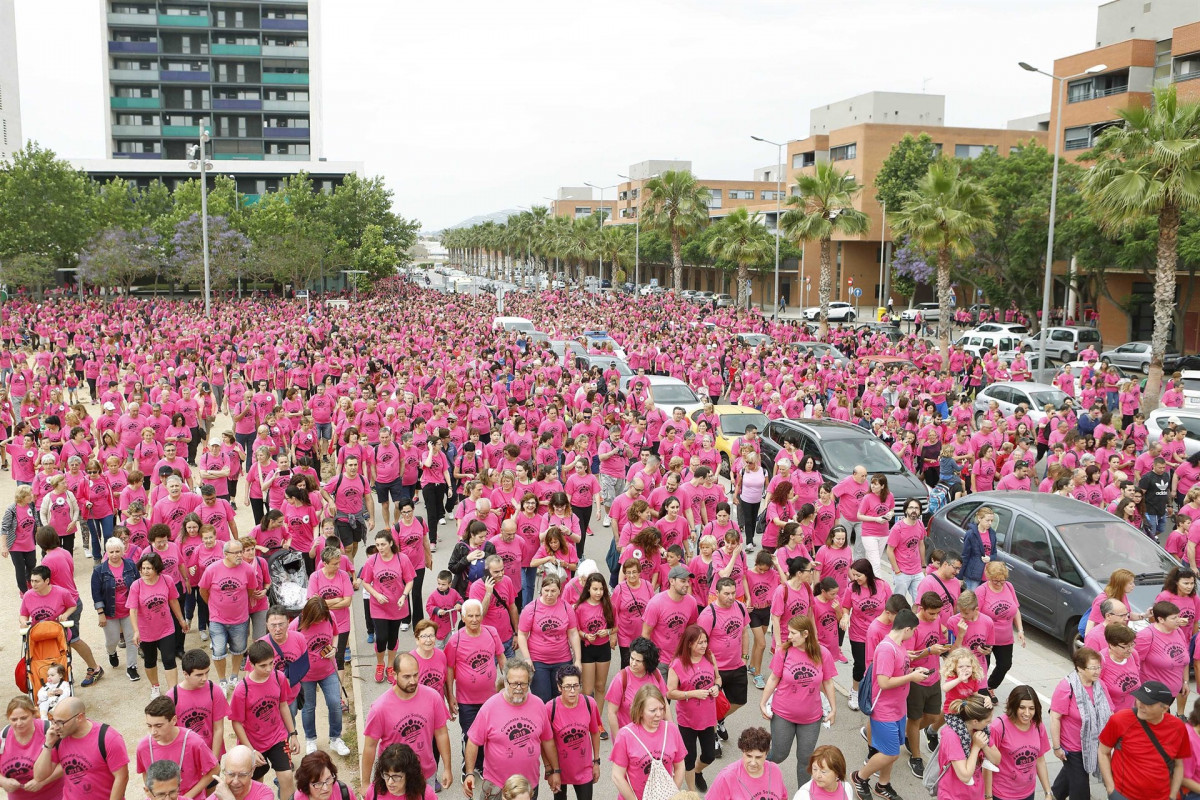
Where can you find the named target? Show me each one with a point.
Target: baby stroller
(45, 644)
(289, 581)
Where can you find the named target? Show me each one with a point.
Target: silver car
(1135, 356)
(1008, 395)
(1188, 421)
(1063, 344)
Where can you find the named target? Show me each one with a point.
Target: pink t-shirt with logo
(229, 591)
(331, 589)
(389, 577)
(1163, 656)
(797, 697)
(1019, 752)
(734, 781)
(473, 659)
(572, 730)
(393, 720)
(635, 747)
(87, 776)
(17, 760)
(892, 661)
(547, 629)
(198, 709)
(698, 713)
(511, 736)
(257, 707)
(153, 604)
(189, 750)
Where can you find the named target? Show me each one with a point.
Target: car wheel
(978, 420)
(850, 317)
(1146, 368)
(1071, 636)
(724, 470)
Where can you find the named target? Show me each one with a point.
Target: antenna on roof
(924, 83)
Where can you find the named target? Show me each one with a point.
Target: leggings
(858, 651)
(747, 517)
(257, 508)
(416, 606)
(367, 614)
(1003, 653)
(68, 543)
(387, 631)
(782, 734)
(583, 791)
(114, 628)
(584, 515)
(434, 495)
(150, 651)
(23, 562)
(708, 746)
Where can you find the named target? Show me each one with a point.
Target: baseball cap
(109, 407)
(1154, 692)
(1173, 420)
(679, 572)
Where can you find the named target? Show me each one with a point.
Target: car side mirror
(1043, 568)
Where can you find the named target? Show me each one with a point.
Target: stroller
(289, 581)
(45, 643)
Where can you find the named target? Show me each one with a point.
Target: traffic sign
(858, 292)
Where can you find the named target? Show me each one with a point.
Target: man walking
(1142, 750)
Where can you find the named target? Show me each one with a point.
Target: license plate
(1194, 401)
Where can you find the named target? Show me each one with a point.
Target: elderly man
(411, 714)
(161, 780)
(1114, 612)
(228, 587)
(483, 513)
(498, 595)
(96, 763)
(511, 727)
(472, 653)
(237, 778)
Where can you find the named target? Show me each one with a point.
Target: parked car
(722, 300)
(585, 363)
(930, 312)
(732, 422)
(889, 330)
(1186, 418)
(513, 324)
(819, 350)
(1015, 328)
(838, 312)
(1010, 394)
(837, 448)
(754, 339)
(1135, 356)
(562, 346)
(667, 392)
(1060, 553)
(700, 298)
(1063, 344)
(979, 342)
(600, 340)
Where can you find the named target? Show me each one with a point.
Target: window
(136, 91)
(184, 66)
(133, 37)
(123, 64)
(771, 195)
(1098, 86)
(287, 149)
(972, 150)
(139, 147)
(1162, 63)
(1030, 543)
(843, 152)
(714, 200)
(1078, 138)
(937, 149)
(183, 12)
(741, 194)
(136, 119)
(274, 14)
(804, 159)
(1187, 67)
(623, 195)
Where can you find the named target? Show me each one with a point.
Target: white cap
(1173, 420)
(109, 406)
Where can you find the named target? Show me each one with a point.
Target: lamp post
(637, 236)
(600, 277)
(778, 207)
(200, 161)
(1048, 280)
(352, 275)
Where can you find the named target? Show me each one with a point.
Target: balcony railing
(284, 24)
(285, 105)
(284, 51)
(235, 50)
(285, 133)
(286, 78)
(142, 131)
(237, 105)
(134, 75)
(135, 102)
(186, 76)
(133, 47)
(183, 20)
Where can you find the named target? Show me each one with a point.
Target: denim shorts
(234, 635)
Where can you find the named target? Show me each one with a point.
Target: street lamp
(778, 208)
(352, 275)
(637, 236)
(600, 278)
(200, 161)
(1048, 280)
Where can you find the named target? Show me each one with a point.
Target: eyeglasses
(237, 776)
(393, 777)
(166, 794)
(427, 637)
(514, 685)
(570, 687)
(323, 784)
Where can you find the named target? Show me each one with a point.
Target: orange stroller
(46, 643)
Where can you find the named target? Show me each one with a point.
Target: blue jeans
(510, 648)
(544, 686)
(528, 581)
(228, 636)
(970, 583)
(466, 718)
(331, 687)
(907, 585)
(1154, 525)
(99, 532)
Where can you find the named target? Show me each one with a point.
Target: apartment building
(10, 89)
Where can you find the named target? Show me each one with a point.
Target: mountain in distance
(499, 217)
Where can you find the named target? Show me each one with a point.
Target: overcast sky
(469, 107)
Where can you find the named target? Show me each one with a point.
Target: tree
(117, 257)
(118, 205)
(33, 271)
(357, 204)
(908, 161)
(615, 247)
(46, 210)
(909, 268)
(1149, 167)
(224, 200)
(676, 206)
(822, 208)
(227, 248)
(941, 216)
(743, 240)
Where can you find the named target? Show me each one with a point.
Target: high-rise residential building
(10, 90)
(247, 72)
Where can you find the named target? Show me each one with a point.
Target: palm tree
(615, 247)
(743, 240)
(1150, 167)
(941, 216)
(821, 208)
(579, 244)
(675, 205)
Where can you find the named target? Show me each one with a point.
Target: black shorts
(349, 532)
(924, 700)
(595, 654)
(760, 617)
(734, 683)
(392, 491)
(277, 758)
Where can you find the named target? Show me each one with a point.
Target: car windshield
(1098, 545)
(672, 395)
(736, 423)
(1191, 384)
(1089, 335)
(843, 455)
(1045, 397)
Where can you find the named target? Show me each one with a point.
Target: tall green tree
(942, 216)
(675, 205)
(46, 209)
(908, 162)
(741, 238)
(823, 206)
(1149, 167)
(361, 202)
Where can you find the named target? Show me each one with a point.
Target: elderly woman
(548, 637)
(16, 535)
(111, 580)
(60, 511)
(1079, 710)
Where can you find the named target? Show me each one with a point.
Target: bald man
(99, 762)
(236, 781)
(411, 714)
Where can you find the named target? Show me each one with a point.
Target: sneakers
(133, 674)
(853, 701)
(603, 735)
(701, 784)
(338, 746)
(760, 682)
(112, 659)
(724, 734)
(751, 670)
(862, 788)
(862, 731)
(93, 675)
(347, 657)
(370, 638)
(931, 739)
(391, 675)
(885, 791)
(750, 547)
(917, 767)
(403, 626)
(154, 692)
(437, 785)
(310, 746)
(608, 524)
(719, 752)
(204, 636)
(379, 673)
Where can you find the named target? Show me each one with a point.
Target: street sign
(857, 292)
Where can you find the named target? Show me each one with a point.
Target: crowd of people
(363, 439)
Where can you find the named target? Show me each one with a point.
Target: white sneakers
(853, 701)
(310, 746)
(154, 692)
(339, 747)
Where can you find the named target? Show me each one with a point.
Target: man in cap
(669, 612)
(1142, 749)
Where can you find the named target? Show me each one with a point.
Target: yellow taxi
(732, 422)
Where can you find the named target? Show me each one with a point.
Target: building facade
(10, 89)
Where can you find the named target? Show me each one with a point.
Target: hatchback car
(818, 351)
(1062, 344)
(930, 312)
(722, 300)
(732, 422)
(1187, 420)
(1060, 553)
(1008, 395)
(1135, 356)
(838, 312)
(667, 392)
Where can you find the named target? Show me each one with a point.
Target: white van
(977, 342)
(512, 324)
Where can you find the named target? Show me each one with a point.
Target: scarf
(959, 726)
(1094, 711)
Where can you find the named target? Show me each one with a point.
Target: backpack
(1083, 621)
(939, 497)
(760, 524)
(659, 784)
(866, 703)
(587, 702)
(933, 777)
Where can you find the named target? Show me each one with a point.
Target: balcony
(284, 24)
(185, 76)
(285, 78)
(237, 105)
(285, 105)
(235, 50)
(181, 131)
(135, 102)
(133, 75)
(141, 131)
(139, 156)
(237, 156)
(183, 21)
(285, 133)
(133, 47)
(140, 20)
(289, 157)
(284, 51)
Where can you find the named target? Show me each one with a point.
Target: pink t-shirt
(904, 540)
(892, 661)
(1063, 702)
(473, 659)
(389, 577)
(198, 709)
(629, 605)
(52, 605)
(733, 781)
(634, 748)
(624, 686)
(153, 604)
(547, 629)
(667, 618)
(89, 776)
(1001, 607)
(725, 628)
(696, 714)
(413, 722)
(572, 730)
(431, 671)
(229, 591)
(17, 760)
(511, 736)
(339, 586)
(1163, 656)
(949, 786)
(259, 791)
(320, 640)
(797, 697)
(979, 635)
(1120, 679)
(1019, 752)
(189, 750)
(257, 707)
(864, 606)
